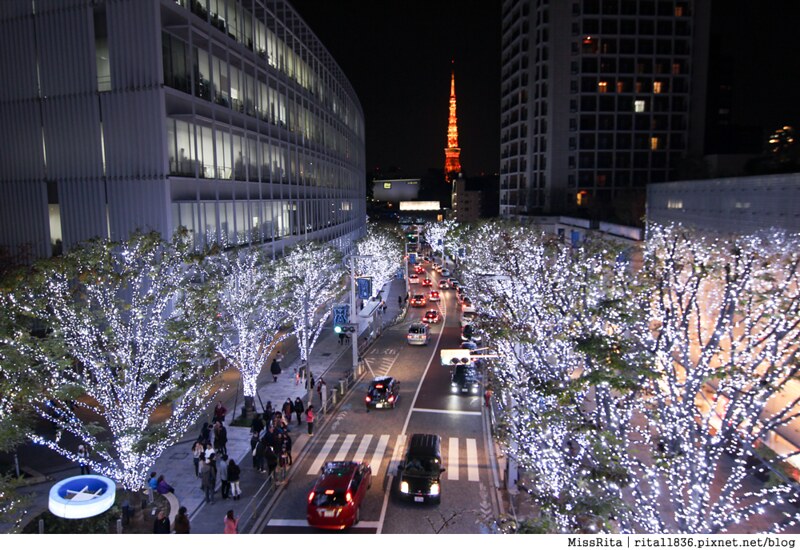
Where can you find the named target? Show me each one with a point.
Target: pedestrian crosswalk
(459, 455)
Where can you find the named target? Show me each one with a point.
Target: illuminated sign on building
(419, 205)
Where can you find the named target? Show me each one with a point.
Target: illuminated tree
(250, 314)
(382, 255)
(724, 324)
(441, 235)
(125, 358)
(311, 275)
(548, 313)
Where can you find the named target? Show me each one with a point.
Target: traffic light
(468, 332)
(343, 328)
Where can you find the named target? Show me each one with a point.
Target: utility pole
(355, 335)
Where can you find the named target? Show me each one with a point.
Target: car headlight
(404, 487)
(435, 489)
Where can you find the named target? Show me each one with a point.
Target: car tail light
(348, 497)
(310, 496)
(391, 398)
(368, 399)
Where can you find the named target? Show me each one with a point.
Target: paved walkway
(328, 359)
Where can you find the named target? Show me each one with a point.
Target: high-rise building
(452, 153)
(598, 99)
(228, 117)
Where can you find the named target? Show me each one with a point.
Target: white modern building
(598, 99)
(228, 117)
(728, 205)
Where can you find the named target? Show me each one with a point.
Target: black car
(465, 380)
(419, 474)
(383, 393)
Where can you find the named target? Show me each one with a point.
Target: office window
(639, 106)
(657, 87)
(654, 144)
(602, 86)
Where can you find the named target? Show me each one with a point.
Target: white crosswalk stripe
(323, 455)
(457, 454)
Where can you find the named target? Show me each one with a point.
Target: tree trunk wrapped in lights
(311, 275)
(250, 314)
(126, 357)
(723, 331)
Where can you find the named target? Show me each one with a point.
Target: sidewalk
(328, 359)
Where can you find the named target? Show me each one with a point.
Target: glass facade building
(227, 117)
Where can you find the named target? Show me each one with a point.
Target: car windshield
(418, 296)
(416, 330)
(422, 465)
(378, 390)
(464, 374)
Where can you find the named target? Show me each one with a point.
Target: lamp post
(352, 267)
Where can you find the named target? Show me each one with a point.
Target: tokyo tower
(452, 153)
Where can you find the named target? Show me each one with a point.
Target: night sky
(397, 54)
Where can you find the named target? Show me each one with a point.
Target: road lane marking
(452, 459)
(362, 448)
(345, 448)
(472, 460)
(444, 411)
(303, 523)
(323, 454)
(377, 457)
(399, 447)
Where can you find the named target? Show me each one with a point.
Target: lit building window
(678, 11)
(654, 144)
(602, 86)
(620, 86)
(638, 106)
(676, 68)
(582, 198)
(674, 204)
(657, 87)
(638, 87)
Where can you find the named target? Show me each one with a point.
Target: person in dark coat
(219, 412)
(272, 438)
(275, 369)
(161, 524)
(286, 449)
(205, 433)
(298, 410)
(182, 526)
(258, 456)
(288, 409)
(271, 458)
(163, 487)
(234, 475)
(220, 439)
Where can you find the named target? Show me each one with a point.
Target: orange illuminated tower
(452, 153)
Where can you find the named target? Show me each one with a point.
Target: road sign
(364, 285)
(341, 314)
(412, 258)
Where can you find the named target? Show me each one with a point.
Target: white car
(445, 272)
(413, 279)
(468, 316)
(418, 334)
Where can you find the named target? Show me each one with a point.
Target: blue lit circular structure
(82, 496)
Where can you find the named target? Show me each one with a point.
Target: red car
(335, 501)
(434, 296)
(419, 269)
(431, 316)
(427, 282)
(418, 300)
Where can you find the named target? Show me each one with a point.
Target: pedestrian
(341, 338)
(182, 526)
(275, 369)
(163, 487)
(197, 454)
(286, 449)
(268, 411)
(220, 438)
(270, 458)
(384, 307)
(234, 473)
(208, 480)
(161, 524)
(83, 459)
(231, 524)
(219, 412)
(310, 379)
(205, 433)
(298, 410)
(152, 485)
(310, 419)
(487, 397)
(258, 456)
(222, 470)
(320, 382)
(288, 409)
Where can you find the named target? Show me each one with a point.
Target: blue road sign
(341, 314)
(412, 257)
(364, 286)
